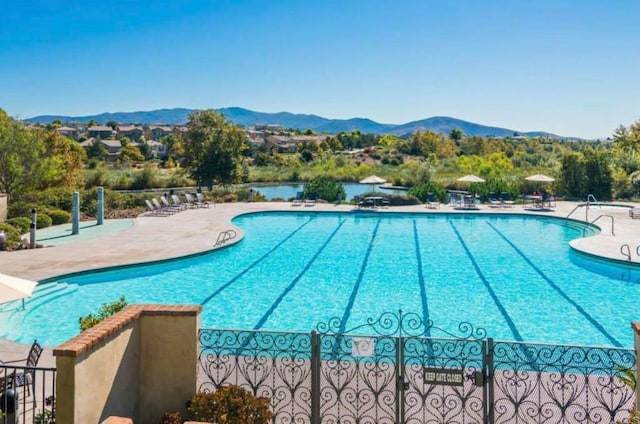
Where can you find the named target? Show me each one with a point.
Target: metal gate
(396, 374)
(394, 370)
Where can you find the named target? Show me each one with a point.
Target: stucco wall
(138, 363)
(3, 207)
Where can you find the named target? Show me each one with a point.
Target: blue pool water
(515, 276)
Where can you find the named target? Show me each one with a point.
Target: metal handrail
(638, 250)
(573, 210)
(612, 222)
(591, 196)
(628, 254)
(225, 236)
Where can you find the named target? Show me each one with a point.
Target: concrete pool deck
(194, 231)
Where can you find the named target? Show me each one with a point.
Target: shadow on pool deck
(88, 230)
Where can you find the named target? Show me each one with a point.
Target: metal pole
(636, 339)
(488, 381)
(75, 211)
(32, 228)
(315, 378)
(100, 205)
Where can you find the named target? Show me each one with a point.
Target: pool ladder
(590, 199)
(225, 236)
(625, 250)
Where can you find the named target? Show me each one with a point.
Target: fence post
(636, 340)
(488, 380)
(315, 377)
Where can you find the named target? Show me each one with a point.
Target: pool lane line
(356, 287)
(423, 289)
(291, 285)
(501, 308)
(254, 263)
(557, 288)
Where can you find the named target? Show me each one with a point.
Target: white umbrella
(373, 179)
(541, 178)
(470, 179)
(13, 288)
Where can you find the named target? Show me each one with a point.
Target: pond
(287, 191)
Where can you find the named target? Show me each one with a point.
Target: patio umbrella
(373, 180)
(540, 178)
(13, 288)
(470, 179)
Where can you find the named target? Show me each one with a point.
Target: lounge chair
(201, 200)
(152, 209)
(506, 200)
(176, 201)
(634, 213)
(192, 202)
(432, 202)
(161, 209)
(494, 201)
(311, 201)
(27, 377)
(298, 200)
(167, 205)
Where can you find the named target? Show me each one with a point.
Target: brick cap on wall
(84, 341)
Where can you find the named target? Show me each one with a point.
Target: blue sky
(567, 67)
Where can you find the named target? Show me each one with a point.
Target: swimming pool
(513, 275)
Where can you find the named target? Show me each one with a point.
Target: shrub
(12, 235)
(171, 418)
(22, 223)
(230, 405)
(326, 188)
(143, 179)
(422, 191)
(44, 221)
(59, 216)
(106, 310)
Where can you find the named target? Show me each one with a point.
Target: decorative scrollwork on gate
(268, 364)
(561, 384)
(401, 324)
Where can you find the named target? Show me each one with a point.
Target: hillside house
(158, 131)
(100, 131)
(69, 132)
(113, 146)
(158, 149)
(133, 133)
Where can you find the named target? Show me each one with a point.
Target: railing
(612, 222)
(27, 394)
(591, 197)
(225, 236)
(628, 251)
(573, 210)
(389, 371)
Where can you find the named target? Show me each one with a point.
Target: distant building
(70, 132)
(113, 146)
(100, 131)
(158, 149)
(131, 132)
(159, 131)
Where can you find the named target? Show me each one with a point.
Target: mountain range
(246, 117)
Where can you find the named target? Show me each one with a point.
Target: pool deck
(194, 231)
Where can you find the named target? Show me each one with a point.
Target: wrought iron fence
(392, 370)
(27, 394)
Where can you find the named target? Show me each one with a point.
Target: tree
(96, 150)
(326, 188)
(456, 135)
(68, 156)
(213, 149)
(598, 171)
(25, 163)
(112, 124)
(131, 153)
(573, 179)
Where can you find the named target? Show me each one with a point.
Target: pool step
(11, 331)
